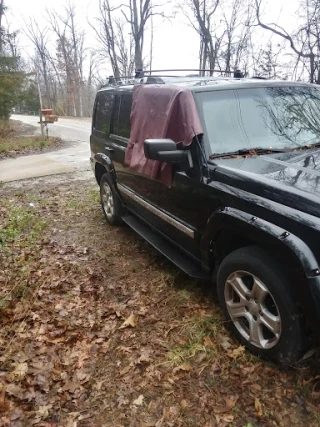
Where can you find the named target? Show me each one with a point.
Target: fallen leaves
(228, 418)
(19, 372)
(237, 352)
(231, 401)
(125, 370)
(225, 342)
(15, 390)
(184, 367)
(139, 401)
(130, 321)
(87, 336)
(258, 407)
(4, 404)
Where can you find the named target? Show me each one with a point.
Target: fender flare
(258, 230)
(106, 162)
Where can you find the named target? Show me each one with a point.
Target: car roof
(207, 84)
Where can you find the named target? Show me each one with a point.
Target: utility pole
(2, 11)
(40, 101)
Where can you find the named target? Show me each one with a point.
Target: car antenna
(203, 154)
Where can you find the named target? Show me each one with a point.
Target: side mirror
(165, 150)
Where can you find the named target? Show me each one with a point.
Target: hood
(288, 178)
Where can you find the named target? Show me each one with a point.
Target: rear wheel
(110, 203)
(256, 297)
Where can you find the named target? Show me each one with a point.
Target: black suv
(243, 206)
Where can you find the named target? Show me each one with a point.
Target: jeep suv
(242, 203)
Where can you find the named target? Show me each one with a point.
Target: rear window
(103, 110)
(122, 111)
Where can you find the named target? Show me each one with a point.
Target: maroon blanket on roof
(160, 111)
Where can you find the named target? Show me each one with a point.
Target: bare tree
(60, 56)
(123, 39)
(116, 47)
(305, 41)
(77, 39)
(268, 63)
(235, 39)
(224, 29)
(3, 8)
(93, 81)
(39, 38)
(140, 11)
(201, 20)
(69, 57)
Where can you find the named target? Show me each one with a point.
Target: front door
(180, 212)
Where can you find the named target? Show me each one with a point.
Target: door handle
(110, 150)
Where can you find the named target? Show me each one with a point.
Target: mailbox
(46, 111)
(50, 118)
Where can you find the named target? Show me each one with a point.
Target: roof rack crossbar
(200, 70)
(141, 74)
(236, 73)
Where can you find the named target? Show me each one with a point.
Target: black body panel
(272, 200)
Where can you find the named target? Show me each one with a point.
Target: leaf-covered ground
(17, 138)
(98, 329)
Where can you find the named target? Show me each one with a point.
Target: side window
(121, 118)
(103, 112)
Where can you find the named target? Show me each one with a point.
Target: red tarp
(160, 111)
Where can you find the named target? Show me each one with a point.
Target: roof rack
(148, 77)
(236, 73)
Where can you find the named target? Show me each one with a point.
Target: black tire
(253, 272)
(110, 203)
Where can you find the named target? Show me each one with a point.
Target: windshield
(267, 118)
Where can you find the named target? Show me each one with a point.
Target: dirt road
(70, 129)
(75, 155)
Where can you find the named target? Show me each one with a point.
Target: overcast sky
(175, 43)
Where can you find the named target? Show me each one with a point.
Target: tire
(257, 300)
(110, 203)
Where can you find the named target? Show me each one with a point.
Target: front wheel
(256, 297)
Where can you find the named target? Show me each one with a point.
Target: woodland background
(68, 69)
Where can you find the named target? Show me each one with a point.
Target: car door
(120, 130)
(179, 212)
(102, 113)
(111, 126)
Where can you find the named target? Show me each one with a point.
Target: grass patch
(20, 237)
(6, 128)
(22, 144)
(89, 198)
(13, 142)
(196, 338)
(22, 225)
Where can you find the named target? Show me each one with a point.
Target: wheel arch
(103, 164)
(229, 229)
(251, 276)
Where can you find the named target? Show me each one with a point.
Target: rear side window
(103, 110)
(122, 111)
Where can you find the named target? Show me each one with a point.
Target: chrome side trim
(186, 230)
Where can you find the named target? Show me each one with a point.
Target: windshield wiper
(250, 151)
(307, 146)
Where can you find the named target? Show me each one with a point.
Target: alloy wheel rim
(107, 200)
(252, 309)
